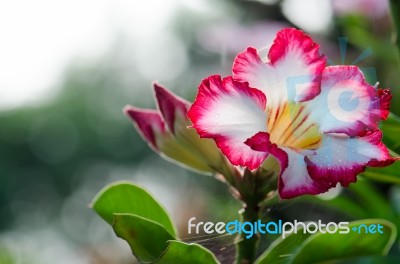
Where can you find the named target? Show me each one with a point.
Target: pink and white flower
(320, 123)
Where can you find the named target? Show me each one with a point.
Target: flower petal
(147, 122)
(295, 179)
(292, 73)
(341, 158)
(261, 142)
(171, 106)
(230, 112)
(297, 58)
(200, 155)
(384, 102)
(347, 103)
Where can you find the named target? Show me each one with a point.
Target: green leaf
(372, 260)
(390, 174)
(147, 239)
(127, 198)
(391, 130)
(329, 247)
(395, 11)
(306, 248)
(362, 37)
(373, 200)
(340, 203)
(359, 201)
(281, 250)
(181, 253)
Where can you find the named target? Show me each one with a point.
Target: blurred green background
(67, 68)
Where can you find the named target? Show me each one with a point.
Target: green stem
(246, 248)
(252, 188)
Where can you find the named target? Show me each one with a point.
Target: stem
(252, 188)
(246, 248)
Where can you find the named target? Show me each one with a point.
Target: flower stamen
(291, 127)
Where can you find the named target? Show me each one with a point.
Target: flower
(167, 133)
(320, 123)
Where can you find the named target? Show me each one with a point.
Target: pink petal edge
(327, 108)
(305, 68)
(147, 122)
(169, 105)
(229, 141)
(328, 177)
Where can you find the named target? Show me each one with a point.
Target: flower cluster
(318, 122)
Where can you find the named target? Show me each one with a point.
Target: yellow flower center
(289, 126)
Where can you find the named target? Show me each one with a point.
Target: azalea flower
(320, 123)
